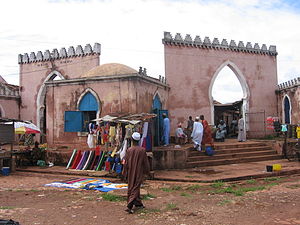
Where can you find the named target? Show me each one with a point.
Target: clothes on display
(114, 134)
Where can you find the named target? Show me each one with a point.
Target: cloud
(131, 31)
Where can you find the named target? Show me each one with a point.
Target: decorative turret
(62, 53)
(289, 84)
(215, 44)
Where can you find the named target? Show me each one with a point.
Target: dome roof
(109, 69)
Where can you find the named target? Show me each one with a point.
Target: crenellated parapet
(216, 44)
(289, 84)
(62, 53)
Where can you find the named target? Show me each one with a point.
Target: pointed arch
(95, 95)
(40, 101)
(286, 109)
(156, 101)
(243, 83)
(2, 112)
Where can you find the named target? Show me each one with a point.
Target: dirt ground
(269, 201)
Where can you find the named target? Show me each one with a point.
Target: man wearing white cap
(197, 134)
(136, 166)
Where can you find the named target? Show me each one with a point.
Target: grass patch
(252, 181)
(272, 179)
(148, 211)
(166, 189)
(7, 207)
(237, 191)
(217, 184)
(172, 188)
(112, 197)
(171, 206)
(293, 186)
(194, 187)
(148, 197)
(185, 195)
(272, 184)
(176, 188)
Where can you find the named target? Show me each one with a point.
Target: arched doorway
(1, 111)
(41, 103)
(88, 108)
(227, 96)
(158, 121)
(243, 103)
(287, 110)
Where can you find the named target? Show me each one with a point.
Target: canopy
(25, 128)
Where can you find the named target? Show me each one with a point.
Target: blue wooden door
(73, 121)
(287, 108)
(88, 103)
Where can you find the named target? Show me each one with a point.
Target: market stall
(108, 140)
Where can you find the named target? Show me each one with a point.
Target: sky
(131, 31)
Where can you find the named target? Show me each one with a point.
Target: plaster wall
(34, 74)
(294, 96)
(117, 96)
(9, 107)
(190, 71)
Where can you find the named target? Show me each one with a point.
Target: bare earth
(266, 201)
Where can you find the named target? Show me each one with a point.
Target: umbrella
(25, 128)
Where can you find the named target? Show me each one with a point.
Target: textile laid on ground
(88, 184)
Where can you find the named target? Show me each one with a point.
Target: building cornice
(79, 81)
(217, 45)
(63, 53)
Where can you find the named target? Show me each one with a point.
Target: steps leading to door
(232, 153)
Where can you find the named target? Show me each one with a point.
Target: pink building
(192, 66)
(288, 97)
(9, 100)
(62, 91)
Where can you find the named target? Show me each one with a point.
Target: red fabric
(207, 137)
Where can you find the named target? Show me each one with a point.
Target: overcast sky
(130, 31)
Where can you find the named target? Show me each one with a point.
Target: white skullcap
(136, 136)
(197, 118)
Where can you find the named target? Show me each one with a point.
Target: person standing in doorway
(241, 127)
(189, 128)
(166, 129)
(197, 134)
(207, 136)
(136, 166)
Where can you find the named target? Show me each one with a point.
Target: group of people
(199, 132)
(136, 164)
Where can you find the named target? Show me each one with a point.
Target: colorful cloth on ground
(88, 184)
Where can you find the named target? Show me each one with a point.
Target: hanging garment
(298, 131)
(145, 132)
(128, 133)
(123, 149)
(91, 141)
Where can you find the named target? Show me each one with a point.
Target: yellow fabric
(298, 131)
(112, 131)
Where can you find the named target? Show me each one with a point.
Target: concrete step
(231, 161)
(238, 145)
(202, 157)
(192, 152)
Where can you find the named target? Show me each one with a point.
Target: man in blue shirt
(166, 129)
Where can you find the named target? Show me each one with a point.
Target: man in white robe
(197, 134)
(242, 131)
